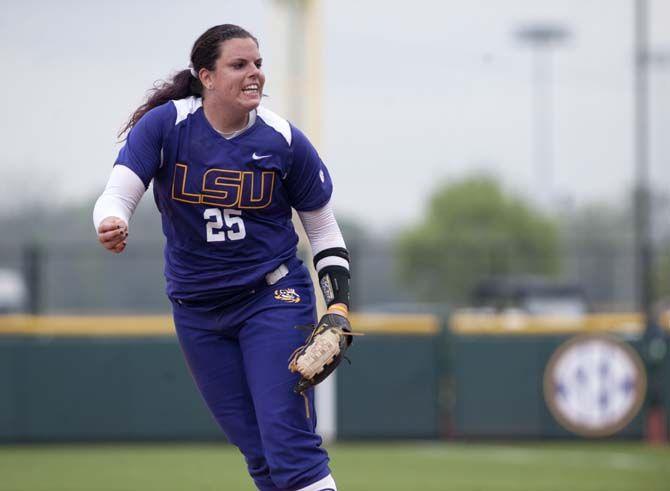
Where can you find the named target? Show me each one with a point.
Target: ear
(206, 78)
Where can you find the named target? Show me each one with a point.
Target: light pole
(543, 38)
(655, 341)
(298, 41)
(641, 193)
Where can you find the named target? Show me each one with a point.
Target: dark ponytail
(204, 54)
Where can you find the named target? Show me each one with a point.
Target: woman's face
(237, 80)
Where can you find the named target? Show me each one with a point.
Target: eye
(259, 63)
(238, 65)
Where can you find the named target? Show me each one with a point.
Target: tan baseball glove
(322, 352)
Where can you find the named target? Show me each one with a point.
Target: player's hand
(113, 234)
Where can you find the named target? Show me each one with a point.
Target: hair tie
(194, 74)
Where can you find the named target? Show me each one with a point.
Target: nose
(255, 71)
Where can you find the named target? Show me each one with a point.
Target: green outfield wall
(497, 369)
(391, 388)
(498, 389)
(124, 378)
(98, 388)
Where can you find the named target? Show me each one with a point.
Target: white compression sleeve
(323, 233)
(121, 195)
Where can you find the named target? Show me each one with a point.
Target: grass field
(417, 466)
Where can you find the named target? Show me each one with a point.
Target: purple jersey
(225, 204)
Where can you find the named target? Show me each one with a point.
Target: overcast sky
(414, 93)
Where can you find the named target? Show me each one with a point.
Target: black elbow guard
(332, 266)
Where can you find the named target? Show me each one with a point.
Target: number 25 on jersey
(227, 224)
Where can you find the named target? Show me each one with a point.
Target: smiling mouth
(253, 89)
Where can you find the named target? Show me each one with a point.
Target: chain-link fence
(84, 278)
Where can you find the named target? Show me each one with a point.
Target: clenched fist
(113, 234)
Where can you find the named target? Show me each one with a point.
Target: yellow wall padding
(162, 325)
(519, 323)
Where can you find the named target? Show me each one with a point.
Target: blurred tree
(472, 230)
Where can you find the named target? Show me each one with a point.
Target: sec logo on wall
(594, 385)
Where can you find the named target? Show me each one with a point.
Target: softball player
(226, 173)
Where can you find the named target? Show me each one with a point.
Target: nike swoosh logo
(258, 157)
